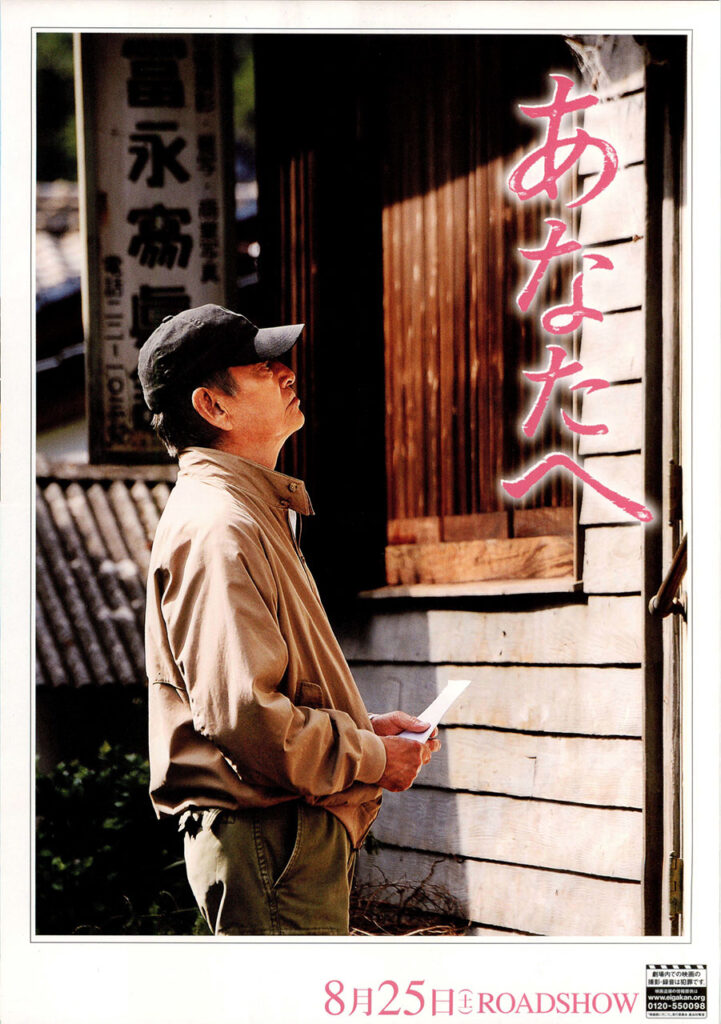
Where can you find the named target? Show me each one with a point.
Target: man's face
(265, 409)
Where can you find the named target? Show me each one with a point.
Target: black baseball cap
(186, 348)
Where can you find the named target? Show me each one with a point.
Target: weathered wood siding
(532, 814)
(539, 783)
(454, 337)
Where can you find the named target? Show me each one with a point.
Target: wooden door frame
(665, 148)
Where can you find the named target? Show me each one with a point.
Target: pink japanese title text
(556, 156)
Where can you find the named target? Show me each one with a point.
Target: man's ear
(207, 405)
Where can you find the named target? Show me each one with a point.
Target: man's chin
(298, 421)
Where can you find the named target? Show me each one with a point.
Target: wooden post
(665, 98)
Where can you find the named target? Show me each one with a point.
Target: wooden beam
(621, 410)
(620, 288)
(613, 560)
(434, 529)
(606, 773)
(522, 899)
(607, 630)
(614, 348)
(476, 588)
(618, 212)
(665, 88)
(425, 530)
(459, 561)
(555, 699)
(482, 526)
(543, 522)
(565, 837)
(623, 474)
(622, 123)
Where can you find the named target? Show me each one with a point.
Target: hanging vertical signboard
(155, 131)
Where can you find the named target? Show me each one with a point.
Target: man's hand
(404, 757)
(394, 722)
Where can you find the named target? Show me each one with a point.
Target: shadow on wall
(530, 815)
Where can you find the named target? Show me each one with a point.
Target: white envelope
(435, 711)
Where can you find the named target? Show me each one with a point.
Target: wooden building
(387, 227)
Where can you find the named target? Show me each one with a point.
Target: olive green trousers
(280, 870)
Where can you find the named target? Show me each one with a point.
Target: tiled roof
(95, 526)
(57, 267)
(58, 245)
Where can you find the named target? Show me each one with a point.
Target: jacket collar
(239, 475)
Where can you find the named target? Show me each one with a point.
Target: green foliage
(104, 865)
(243, 89)
(56, 145)
(56, 141)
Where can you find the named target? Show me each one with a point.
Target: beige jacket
(251, 700)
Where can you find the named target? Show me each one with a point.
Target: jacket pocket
(309, 695)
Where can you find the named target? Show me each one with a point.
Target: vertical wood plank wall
(532, 814)
(455, 341)
(296, 185)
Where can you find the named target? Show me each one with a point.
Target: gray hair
(179, 426)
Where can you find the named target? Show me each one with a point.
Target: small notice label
(677, 991)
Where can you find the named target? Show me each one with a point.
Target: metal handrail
(665, 600)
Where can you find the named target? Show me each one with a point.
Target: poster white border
(74, 981)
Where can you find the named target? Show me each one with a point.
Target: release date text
(391, 999)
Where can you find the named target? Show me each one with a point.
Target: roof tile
(93, 547)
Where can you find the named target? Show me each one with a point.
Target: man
(259, 740)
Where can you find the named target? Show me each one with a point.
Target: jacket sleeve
(220, 611)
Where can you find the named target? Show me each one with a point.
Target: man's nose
(285, 375)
